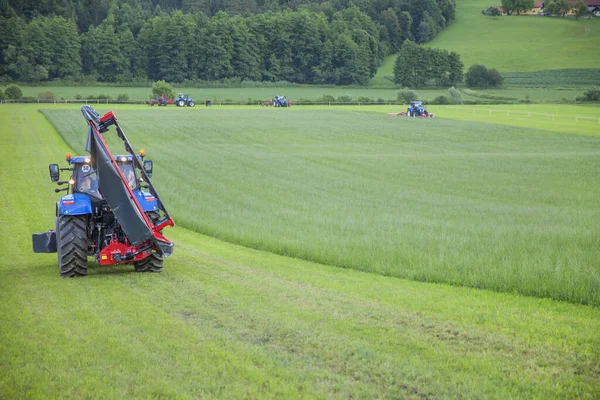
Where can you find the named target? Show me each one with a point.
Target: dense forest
(303, 41)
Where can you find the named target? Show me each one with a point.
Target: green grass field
(224, 321)
(468, 203)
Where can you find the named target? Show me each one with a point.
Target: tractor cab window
(87, 180)
(129, 173)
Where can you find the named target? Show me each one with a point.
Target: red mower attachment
(141, 230)
(404, 114)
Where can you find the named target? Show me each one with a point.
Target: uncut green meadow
(474, 204)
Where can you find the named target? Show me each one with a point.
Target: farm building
(538, 6)
(593, 7)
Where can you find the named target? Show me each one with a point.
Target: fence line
(224, 103)
(577, 118)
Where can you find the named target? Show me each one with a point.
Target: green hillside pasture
(568, 80)
(522, 94)
(474, 204)
(564, 78)
(224, 321)
(520, 43)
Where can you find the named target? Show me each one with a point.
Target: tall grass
(473, 204)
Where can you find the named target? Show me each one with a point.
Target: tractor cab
(83, 183)
(86, 180)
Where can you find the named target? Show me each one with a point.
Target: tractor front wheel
(191, 104)
(72, 245)
(152, 263)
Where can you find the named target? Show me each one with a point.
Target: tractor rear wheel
(152, 263)
(181, 103)
(72, 245)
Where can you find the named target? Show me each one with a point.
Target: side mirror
(54, 172)
(148, 168)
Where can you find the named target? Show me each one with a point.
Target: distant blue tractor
(281, 101)
(184, 100)
(416, 109)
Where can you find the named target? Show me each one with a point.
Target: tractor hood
(115, 190)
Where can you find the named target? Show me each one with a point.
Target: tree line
(418, 66)
(333, 42)
(517, 6)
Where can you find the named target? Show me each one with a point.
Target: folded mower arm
(115, 190)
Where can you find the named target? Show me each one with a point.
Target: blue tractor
(110, 212)
(280, 101)
(416, 109)
(184, 100)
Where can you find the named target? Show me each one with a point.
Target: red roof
(538, 4)
(590, 3)
(500, 8)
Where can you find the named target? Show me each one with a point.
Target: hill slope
(223, 321)
(520, 43)
(516, 43)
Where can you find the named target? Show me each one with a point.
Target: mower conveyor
(115, 190)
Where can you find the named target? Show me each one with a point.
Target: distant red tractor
(161, 101)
